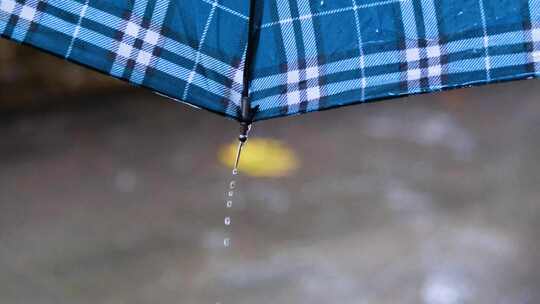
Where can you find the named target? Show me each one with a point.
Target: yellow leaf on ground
(261, 157)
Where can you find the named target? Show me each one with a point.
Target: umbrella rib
(251, 44)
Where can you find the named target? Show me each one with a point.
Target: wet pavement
(430, 199)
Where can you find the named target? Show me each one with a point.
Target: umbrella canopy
(285, 57)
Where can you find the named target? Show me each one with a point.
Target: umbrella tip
(242, 138)
(245, 126)
(244, 131)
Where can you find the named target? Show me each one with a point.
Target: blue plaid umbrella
(259, 59)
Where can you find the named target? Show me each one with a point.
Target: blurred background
(111, 194)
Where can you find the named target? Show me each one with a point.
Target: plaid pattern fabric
(182, 49)
(320, 54)
(310, 54)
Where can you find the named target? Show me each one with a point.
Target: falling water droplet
(232, 187)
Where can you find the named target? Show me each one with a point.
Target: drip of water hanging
(242, 139)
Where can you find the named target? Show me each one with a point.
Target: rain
(206, 180)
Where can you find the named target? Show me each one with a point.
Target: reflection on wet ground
(432, 199)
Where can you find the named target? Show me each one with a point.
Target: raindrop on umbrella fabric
(240, 62)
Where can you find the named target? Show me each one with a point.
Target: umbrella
(258, 59)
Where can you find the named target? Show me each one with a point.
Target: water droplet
(235, 171)
(229, 204)
(232, 185)
(126, 181)
(227, 221)
(230, 193)
(227, 242)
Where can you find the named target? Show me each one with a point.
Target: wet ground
(431, 199)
